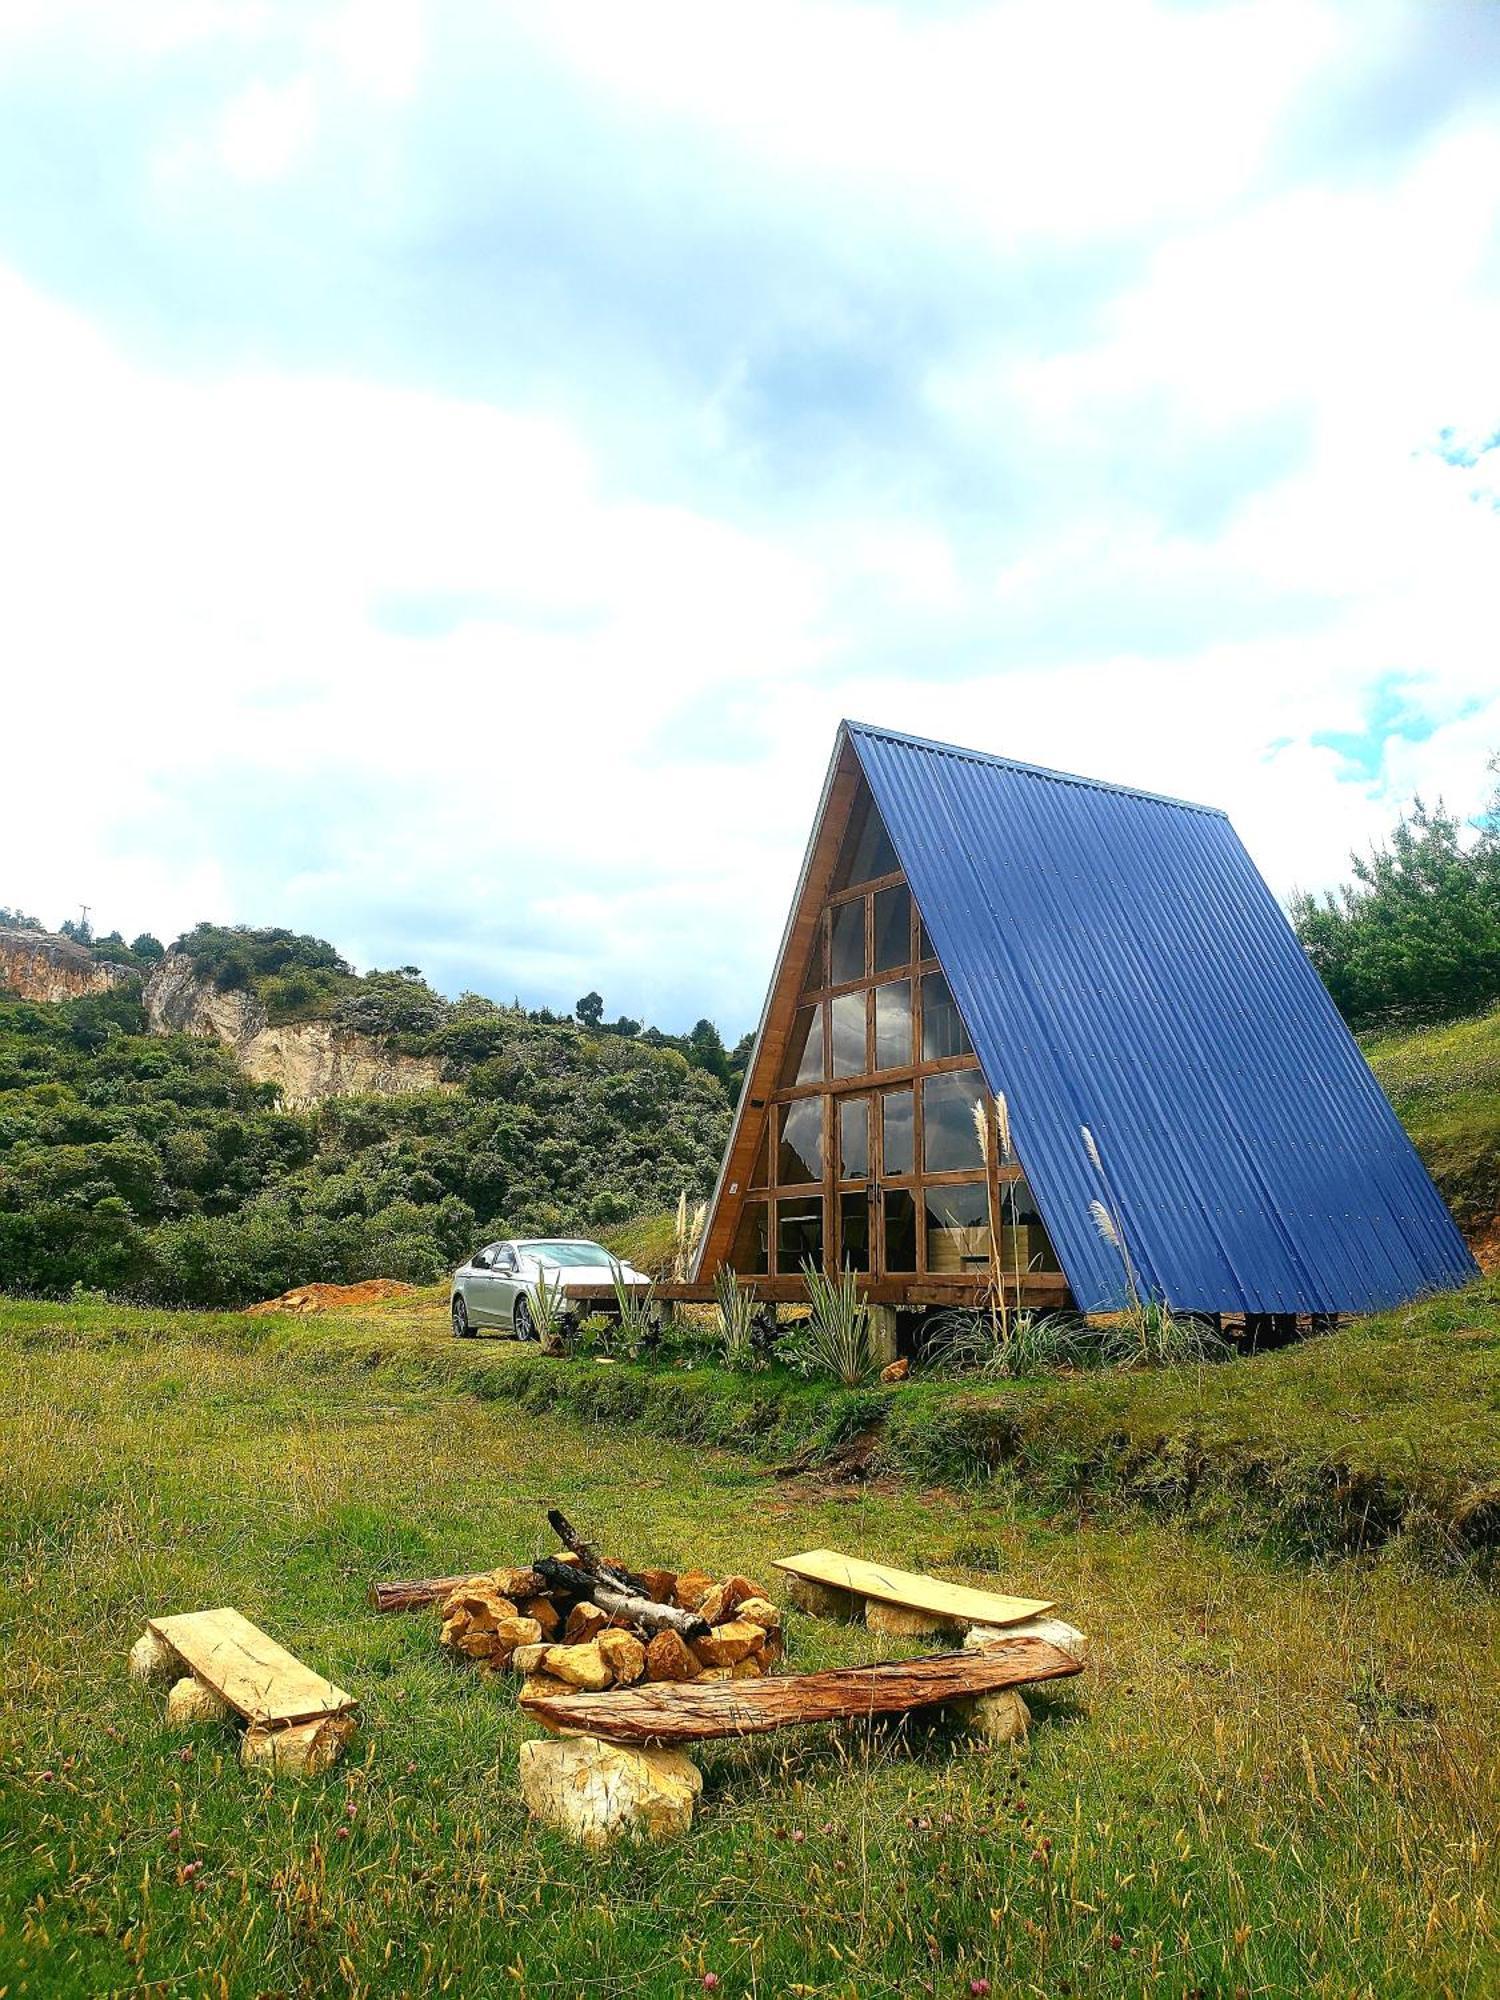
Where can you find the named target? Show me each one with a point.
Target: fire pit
(576, 1620)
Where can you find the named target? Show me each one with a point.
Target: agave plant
(637, 1310)
(737, 1308)
(549, 1305)
(835, 1338)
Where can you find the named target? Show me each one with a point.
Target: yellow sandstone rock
(692, 1587)
(728, 1644)
(669, 1658)
(580, 1666)
(624, 1655)
(301, 1751)
(190, 1701)
(598, 1791)
(585, 1622)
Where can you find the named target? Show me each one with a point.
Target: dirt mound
(333, 1298)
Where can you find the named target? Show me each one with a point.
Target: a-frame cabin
(1111, 965)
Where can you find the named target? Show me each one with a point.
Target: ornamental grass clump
(835, 1338)
(1025, 1343)
(1148, 1333)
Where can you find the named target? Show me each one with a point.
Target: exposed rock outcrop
(305, 1060)
(37, 965)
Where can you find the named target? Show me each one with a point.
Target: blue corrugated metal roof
(1122, 965)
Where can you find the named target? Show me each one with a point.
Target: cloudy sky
(458, 461)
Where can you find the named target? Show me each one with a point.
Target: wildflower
(185, 1754)
(341, 1833)
(710, 1981)
(174, 1838)
(979, 1986)
(799, 1836)
(1115, 1941)
(351, 1810)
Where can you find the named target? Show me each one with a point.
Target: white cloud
(268, 129)
(333, 651)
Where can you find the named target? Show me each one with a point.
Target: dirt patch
(333, 1298)
(1485, 1244)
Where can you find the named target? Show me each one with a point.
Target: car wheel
(520, 1319)
(461, 1327)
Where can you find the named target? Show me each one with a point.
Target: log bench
(621, 1764)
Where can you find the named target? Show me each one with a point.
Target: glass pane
(760, 1173)
(799, 1234)
(943, 1032)
(900, 1230)
(958, 1229)
(854, 1231)
(846, 944)
(750, 1254)
(800, 1157)
(950, 1138)
(815, 968)
(850, 1055)
(896, 1153)
(1024, 1243)
(854, 1138)
(924, 943)
(892, 927)
(867, 851)
(804, 1048)
(893, 1024)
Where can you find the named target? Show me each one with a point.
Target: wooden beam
(676, 1712)
(781, 1006)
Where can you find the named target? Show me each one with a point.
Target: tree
(148, 947)
(590, 1010)
(705, 1050)
(1415, 937)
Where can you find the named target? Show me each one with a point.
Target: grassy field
(1276, 1778)
(1445, 1084)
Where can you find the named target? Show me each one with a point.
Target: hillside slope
(1445, 1085)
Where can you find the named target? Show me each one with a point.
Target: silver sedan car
(497, 1287)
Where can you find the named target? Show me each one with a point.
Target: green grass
(1275, 1779)
(1384, 1432)
(1445, 1085)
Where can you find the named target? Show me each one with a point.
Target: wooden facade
(855, 1143)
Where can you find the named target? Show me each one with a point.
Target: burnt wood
(573, 1582)
(674, 1712)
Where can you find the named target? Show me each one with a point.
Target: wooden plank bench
(619, 1766)
(219, 1665)
(671, 1713)
(835, 1585)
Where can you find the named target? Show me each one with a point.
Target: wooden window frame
(871, 1084)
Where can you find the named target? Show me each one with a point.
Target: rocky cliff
(37, 965)
(306, 1060)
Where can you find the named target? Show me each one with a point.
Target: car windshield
(567, 1253)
